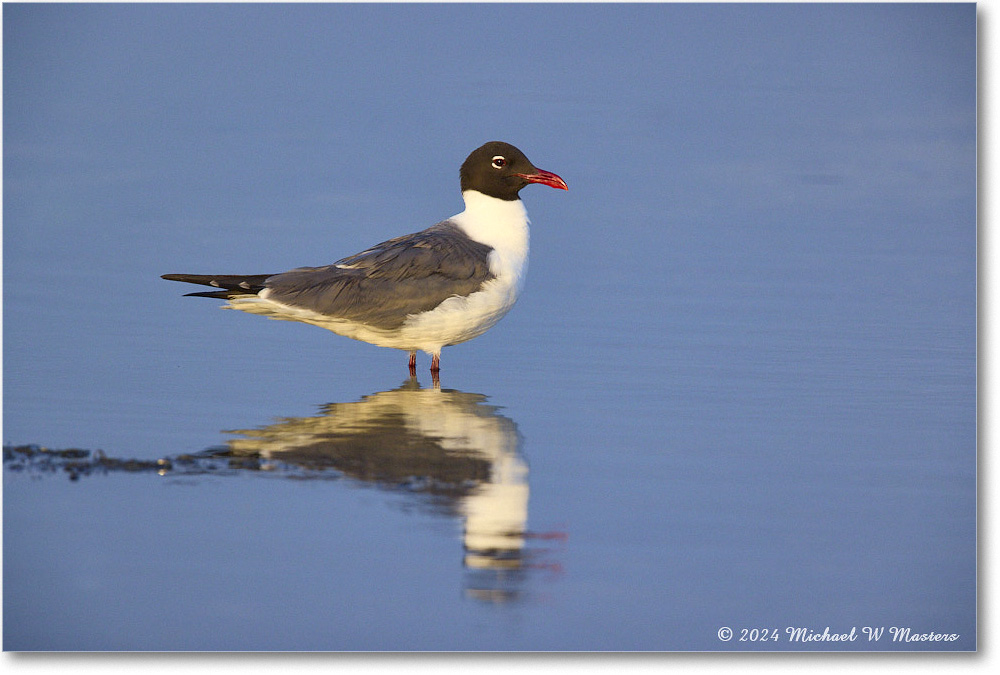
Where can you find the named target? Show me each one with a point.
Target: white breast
(500, 224)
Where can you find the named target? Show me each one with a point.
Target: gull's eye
(499, 162)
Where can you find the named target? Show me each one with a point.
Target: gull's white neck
(498, 223)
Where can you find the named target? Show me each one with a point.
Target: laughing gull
(423, 291)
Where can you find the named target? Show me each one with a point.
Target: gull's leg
(436, 371)
(413, 363)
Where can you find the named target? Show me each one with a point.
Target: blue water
(739, 389)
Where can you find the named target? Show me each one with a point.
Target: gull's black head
(500, 170)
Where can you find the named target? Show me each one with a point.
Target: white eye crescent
(499, 162)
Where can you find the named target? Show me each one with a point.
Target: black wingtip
(230, 284)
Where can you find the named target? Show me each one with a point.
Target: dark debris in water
(218, 461)
(76, 462)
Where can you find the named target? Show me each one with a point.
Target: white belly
(458, 319)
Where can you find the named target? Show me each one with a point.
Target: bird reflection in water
(448, 447)
(449, 450)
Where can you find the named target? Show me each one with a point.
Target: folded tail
(231, 285)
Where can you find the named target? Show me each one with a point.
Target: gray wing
(383, 285)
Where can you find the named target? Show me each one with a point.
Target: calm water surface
(739, 390)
